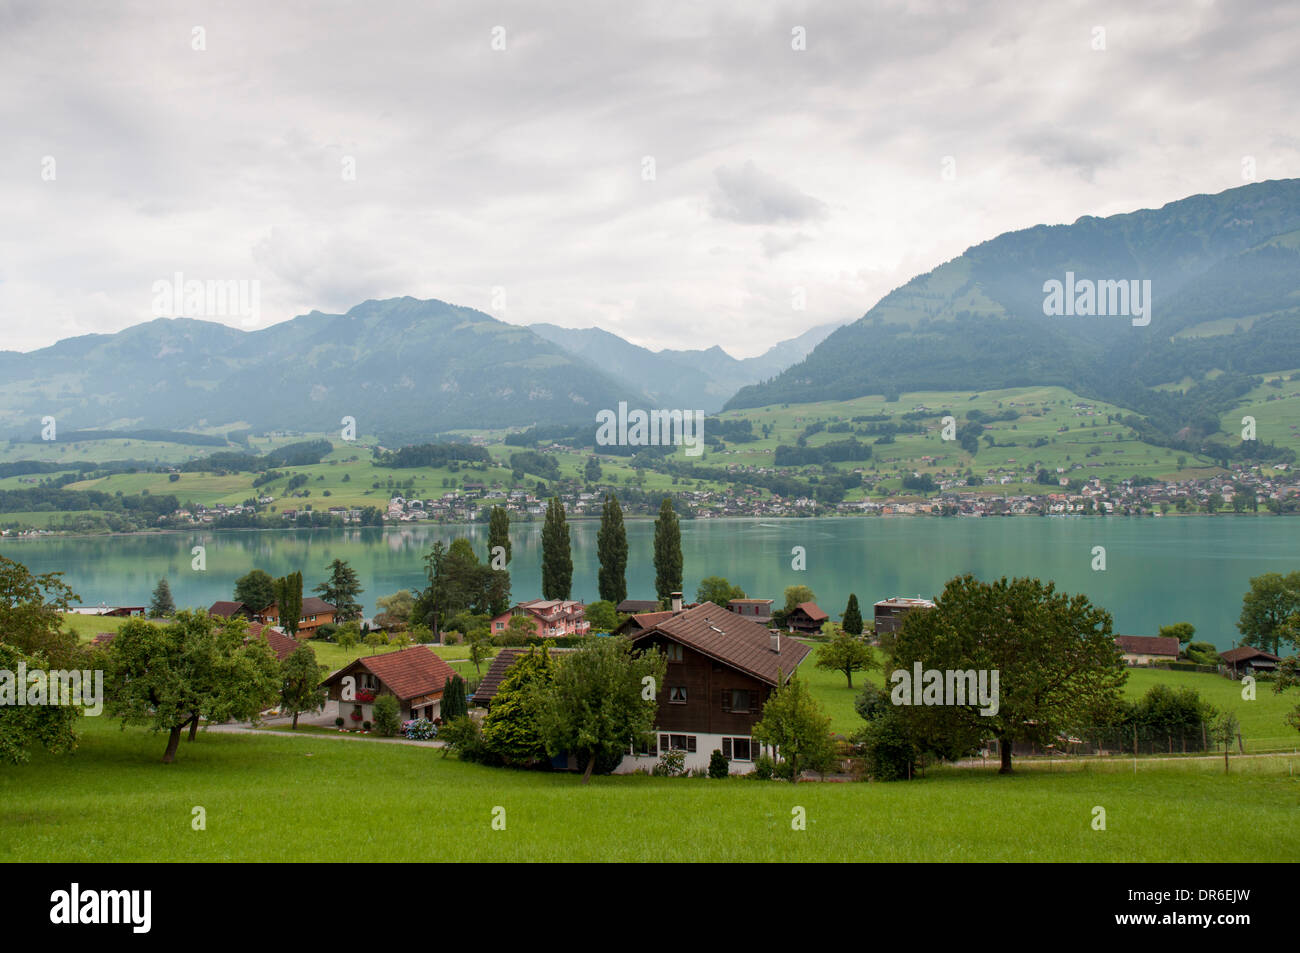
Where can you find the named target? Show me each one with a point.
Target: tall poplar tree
(288, 596)
(557, 556)
(668, 551)
(499, 533)
(611, 547)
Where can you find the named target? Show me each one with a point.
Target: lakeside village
(1243, 490)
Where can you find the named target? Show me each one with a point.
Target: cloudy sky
(682, 174)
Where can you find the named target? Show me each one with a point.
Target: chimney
(677, 602)
(775, 640)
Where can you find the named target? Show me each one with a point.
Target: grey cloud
(748, 195)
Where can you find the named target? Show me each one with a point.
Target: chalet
(1247, 660)
(416, 676)
(1145, 649)
(889, 613)
(759, 610)
(721, 670)
(806, 617)
(641, 621)
(315, 613)
(229, 610)
(552, 618)
(628, 606)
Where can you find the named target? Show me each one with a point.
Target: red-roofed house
(806, 617)
(315, 613)
(1145, 649)
(416, 676)
(552, 618)
(1247, 660)
(722, 668)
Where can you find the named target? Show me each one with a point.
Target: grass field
(315, 798)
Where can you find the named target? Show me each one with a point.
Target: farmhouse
(889, 613)
(552, 618)
(315, 613)
(416, 676)
(1247, 660)
(1145, 649)
(628, 606)
(228, 610)
(806, 617)
(722, 668)
(759, 610)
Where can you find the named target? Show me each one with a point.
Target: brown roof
(282, 645)
(1244, 652)
(812, 611)
(1148, 644)
(749, 602)
(226, 609)
(645, 620)
(732, 640)
(491, 683)
(637, 605)
(408, 673)
(310, 605)
(102, 639)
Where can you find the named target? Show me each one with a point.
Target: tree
(611, 549)
(668, 551)
(794, 723)
(557, 556)
(719, 766)
(595, 705)
(1223, 730)
(717, 590)
(1267, 608)
(341, 590)
(288, 599)
(602, 615)
(31, 615)
(170, 676)
(844, 653)
(510, 730)
(852, 621)
(458, 582)
(520, 629)
(591, 471)
(388, 720)
(300, 688)
(1182, 631)
(499, 533)
(1053, 654)
(375, 639)
(23, 727)
(162, 604)
(480, 648)
(395, 609)
(796, 596)
(455, 699)
(255, 589)
(348, 636)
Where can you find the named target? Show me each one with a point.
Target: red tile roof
(282, 645)
(1148, 644)
(812, 611)
(408, 673)
(732, 640)
(226, 609)
(1244, 652)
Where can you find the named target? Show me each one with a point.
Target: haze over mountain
(695, 379)
(1225, 284)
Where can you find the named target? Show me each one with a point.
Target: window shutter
(726, 699)
(726, 748)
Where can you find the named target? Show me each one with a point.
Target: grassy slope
(314, 798)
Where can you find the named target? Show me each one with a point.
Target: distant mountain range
(404, 368)
(1224, 273)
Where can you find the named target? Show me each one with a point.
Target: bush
(421, 729)
(464, 737)
(764, 767)
(365, 726)
(452, 638)
(719, 766)
(387, 722)
(671, 763)
(338, 722)
(888, 751)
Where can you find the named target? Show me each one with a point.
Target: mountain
(1224, 273)
(402, 367)
(697, 379)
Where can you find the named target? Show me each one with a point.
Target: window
(646, 748)
(682, 742)
(739, 699)
(677, 695)
(674, 652)
(415, 713)
(737, 749)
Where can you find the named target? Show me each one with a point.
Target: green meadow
(270, 797)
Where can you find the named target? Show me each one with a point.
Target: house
(315, 613)
(759, 610)
(806, 617)
(1145, 649)
(282, 644)
(889, 613)
(721, 669)
(628, 606)
(107, 610)
(229, 610)
(1247, 660)
(552, 618)
(492, 678)
(416, 676)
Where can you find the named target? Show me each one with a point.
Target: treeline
(49, 499)
(431, 455)
(837, 451)
(303, 454)
(569, 435)
(531, 461)
(155, 436)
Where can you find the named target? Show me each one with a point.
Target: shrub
(452, 638)
(671, 763)
(365, 726)
(338, 722)
(719, 766)
(421, 729)
(889, 753)
(464, 737)
(387, 722)
(764, 767)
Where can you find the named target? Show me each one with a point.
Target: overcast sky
(528, 169)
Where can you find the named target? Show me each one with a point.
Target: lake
(1158, 570)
